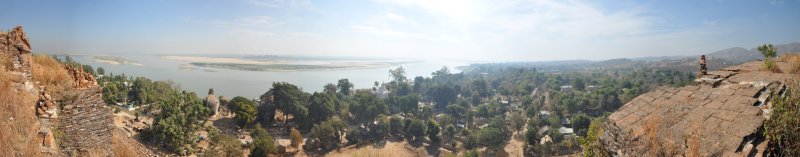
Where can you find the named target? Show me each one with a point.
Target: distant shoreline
(280, 65)
(114, 60)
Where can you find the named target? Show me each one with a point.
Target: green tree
(88, 69)
(580, 123)
(395, 124)
(321, 107)
(769, 53)
(101, 71)
(366, 106)
(398, 74)
(476, 99)
(457, 111)
(449, 132)
(329, 132)
(433, 132)
(181, 115)
(287, 98)
(531, 136)
(481, 87)
(329, 88)
(517, 120)
(443, 96)
(345, 86)
(263, 143)
(470, 142)
(426, 113)
(405, 104)
(492, 138)
(578, 84)
(245, 110)
(417, 129)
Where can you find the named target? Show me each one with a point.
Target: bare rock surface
(720, 115)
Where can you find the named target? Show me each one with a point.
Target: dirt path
(515, 148)
(390, 148)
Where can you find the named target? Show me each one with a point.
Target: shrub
(245, 111)
(590, 143)
(263, 145)
(769, 53)
(297, 138)
(433, 132)
(781, 128)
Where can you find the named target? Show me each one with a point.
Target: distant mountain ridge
(689, 63)
(739, 54)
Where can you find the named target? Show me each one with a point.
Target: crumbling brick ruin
(46, 107)
(47, 111)
(14, 45)
(82, 79)
(87, 123)
(720, 115)
(84, 120)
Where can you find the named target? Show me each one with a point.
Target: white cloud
(394, 16)
(473, 29)
(509, 27)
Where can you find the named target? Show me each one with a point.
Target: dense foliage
(244, 109)
(263, 144)
(782, 127)
(181, 115)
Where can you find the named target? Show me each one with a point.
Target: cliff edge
(722, 114)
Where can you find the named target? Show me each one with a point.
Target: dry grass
(18, 123)
(120, 147)
(389, 149)
(50, 73)
(693, 141)
(5, 63)
(659, 145)
(794, 62)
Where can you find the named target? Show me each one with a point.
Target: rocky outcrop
(46, 107)
(721, 115)
(212, 102)
(14, 45)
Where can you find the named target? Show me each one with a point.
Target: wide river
(251, 84)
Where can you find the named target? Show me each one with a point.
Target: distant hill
(715, 60)
(741, 55)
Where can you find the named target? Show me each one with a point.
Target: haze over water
(230, 83)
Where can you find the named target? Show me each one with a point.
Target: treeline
(467, 110)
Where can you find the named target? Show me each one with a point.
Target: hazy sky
(496, 30)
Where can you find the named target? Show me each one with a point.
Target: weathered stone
(87, 125)
(48, 140)
(82, 79)
(719, 119)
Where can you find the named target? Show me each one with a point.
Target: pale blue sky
(497, 30)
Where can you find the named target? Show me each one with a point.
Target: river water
(251, 84)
